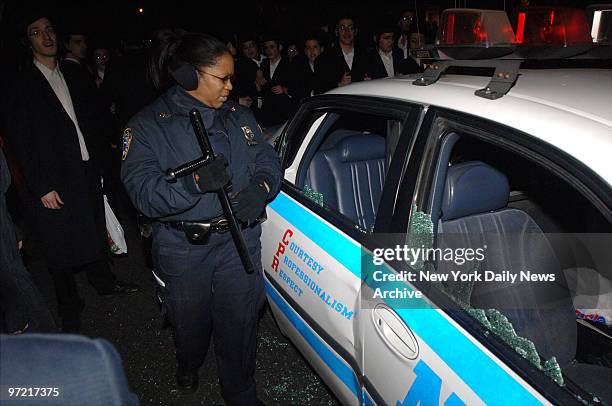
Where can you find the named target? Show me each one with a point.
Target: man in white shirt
(343, 64)
(387, 60)
(250, 50)
(54, 134)
(278, 103)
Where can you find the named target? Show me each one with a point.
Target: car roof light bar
(467, 33)
(544, 32)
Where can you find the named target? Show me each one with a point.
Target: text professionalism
(301, 273)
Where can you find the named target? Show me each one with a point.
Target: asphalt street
(134, 325)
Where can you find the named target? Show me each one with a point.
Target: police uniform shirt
(161, 137)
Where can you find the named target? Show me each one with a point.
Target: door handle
(394, 332)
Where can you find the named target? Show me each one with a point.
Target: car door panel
(311, 273)
(319, 281)
(330, 366)
(451, 366)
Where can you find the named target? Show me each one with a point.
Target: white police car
(379, 169)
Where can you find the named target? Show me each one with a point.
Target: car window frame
(410, 115)
(439, 123)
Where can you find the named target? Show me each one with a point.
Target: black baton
(228, 211)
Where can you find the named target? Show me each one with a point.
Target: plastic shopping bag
(116, 237)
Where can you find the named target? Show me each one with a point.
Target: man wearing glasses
(344, 63)
(405, 28)
(53, 132)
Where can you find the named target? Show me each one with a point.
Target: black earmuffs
(184, 74)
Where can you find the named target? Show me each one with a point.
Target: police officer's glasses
(37, 33)
(225, 79)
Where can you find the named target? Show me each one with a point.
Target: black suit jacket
(303, 79)
(331, 65)
(277, 108)
(44, 140)
(245, 71)
(106, 128)
(376, 67)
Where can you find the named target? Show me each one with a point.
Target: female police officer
(207, 290)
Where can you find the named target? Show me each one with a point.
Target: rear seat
(350, 176)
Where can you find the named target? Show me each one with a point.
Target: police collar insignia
(249, 135)
(127, 141)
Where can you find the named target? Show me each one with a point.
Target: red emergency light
(552, 32)
(475, 34)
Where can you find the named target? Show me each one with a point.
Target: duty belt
(219, 225)
(197, 232)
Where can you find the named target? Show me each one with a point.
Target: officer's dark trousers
(208, 292)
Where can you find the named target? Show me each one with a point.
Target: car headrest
(473, 188)
(362, 147)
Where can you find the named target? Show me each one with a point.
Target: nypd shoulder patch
(127, 141)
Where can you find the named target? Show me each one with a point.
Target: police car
(504, 164)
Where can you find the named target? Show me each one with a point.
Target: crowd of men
(61, 133)
(274, 83)
(75, 97)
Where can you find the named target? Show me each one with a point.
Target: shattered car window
(313, 195)
(422, 236)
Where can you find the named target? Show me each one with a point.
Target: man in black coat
(278, 101)
(343, 64)
(303, 80)
(54, 133)
(386, 60)
(245, 70)
(23, 307)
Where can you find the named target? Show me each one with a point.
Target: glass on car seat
(510, 193)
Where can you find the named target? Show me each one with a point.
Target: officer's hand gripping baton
(208, 155)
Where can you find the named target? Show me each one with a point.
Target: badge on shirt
(127, 141)
(249, 135)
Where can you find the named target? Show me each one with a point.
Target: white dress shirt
(259, 61)
(273, 66)
(59, 86)
(348, 57)
(403, 43)
(387, 60)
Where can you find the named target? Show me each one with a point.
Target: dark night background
(112, 20)
(133, 324)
